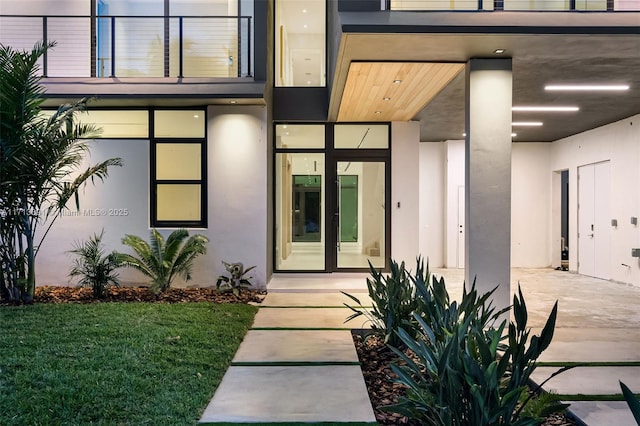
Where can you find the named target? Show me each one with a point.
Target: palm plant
(96, 269)
(162, 260)
(37, 156)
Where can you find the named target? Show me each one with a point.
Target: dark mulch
(375, 359)
(54, 294)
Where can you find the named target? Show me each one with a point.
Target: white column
(488, 177)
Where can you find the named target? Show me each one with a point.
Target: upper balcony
(403, 54)
(209, 59)
(514, 5)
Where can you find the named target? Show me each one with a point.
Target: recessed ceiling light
(305, 25)
(587, 87)
(378, 112)
(386, 98)
(499, 51)
(546, 108)
(397, 81)
(304, 10)
(464, 135)
(513, 135)
(233, 102)
(308, 81)
(196, 116)
(284, 126)
(527, 123)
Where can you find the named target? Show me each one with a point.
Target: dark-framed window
(178, 166)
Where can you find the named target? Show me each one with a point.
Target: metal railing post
(249, 46)
(113, 46)
(239, 61)
(181, 63)
(44, 42)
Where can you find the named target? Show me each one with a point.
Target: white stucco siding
(618, 143)
(237, 202)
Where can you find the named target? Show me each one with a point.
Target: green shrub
(96, 269)
(237, 277)
(162, 260)
(460, 372)
(394, 301)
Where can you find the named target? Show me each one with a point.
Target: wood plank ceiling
(392, 91)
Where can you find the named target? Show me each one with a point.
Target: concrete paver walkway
(298, 363)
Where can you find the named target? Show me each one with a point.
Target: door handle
(590, 235)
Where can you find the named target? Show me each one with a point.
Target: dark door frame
(331, 195)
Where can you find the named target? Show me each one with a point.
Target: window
(178, 169)
(300, 43)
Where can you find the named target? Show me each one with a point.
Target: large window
(300, 43)
(178, 169)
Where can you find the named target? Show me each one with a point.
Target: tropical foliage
(95, 268)
(462, 373)
(237, 277)
(393, 302)
(37, 157)
(461, 363)
(162, 260)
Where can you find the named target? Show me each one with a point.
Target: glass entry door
(360, 224)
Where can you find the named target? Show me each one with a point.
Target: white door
(461, 236)
(594, 227)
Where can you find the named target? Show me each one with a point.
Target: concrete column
(488, 177)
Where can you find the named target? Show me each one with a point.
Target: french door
(360, 222)
(332, 189)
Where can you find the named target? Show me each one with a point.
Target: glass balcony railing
(128, 46)
(515, 5)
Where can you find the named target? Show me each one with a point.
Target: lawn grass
(115, 363)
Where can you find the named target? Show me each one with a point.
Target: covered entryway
(332, 192)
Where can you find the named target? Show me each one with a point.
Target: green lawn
(115, 363)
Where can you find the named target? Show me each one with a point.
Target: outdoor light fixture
(378, 112)
(233, 102)
(546, 108)
(527, 123)
(499, 51)
(513, 135)
(587, 87)
(386, 98)
(397, 81)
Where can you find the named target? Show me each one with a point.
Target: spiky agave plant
(162, 260)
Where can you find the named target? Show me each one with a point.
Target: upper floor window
(300, 50)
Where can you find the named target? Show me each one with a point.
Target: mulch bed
(54, 294)
(375, 359)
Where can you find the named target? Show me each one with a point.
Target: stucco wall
(237, 202)
(619, 143)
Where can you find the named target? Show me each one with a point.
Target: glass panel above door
(299, 136)
(361, 136)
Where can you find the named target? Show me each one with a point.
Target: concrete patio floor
(298, 363)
